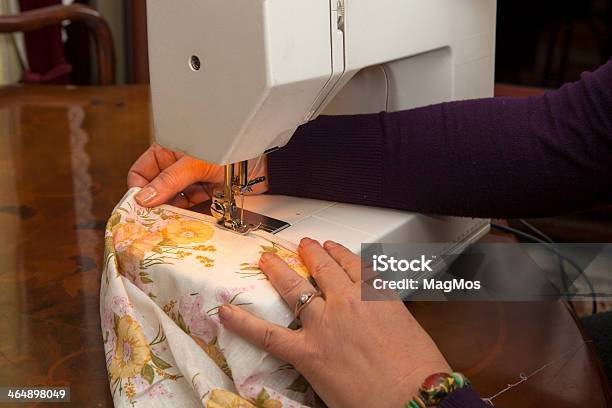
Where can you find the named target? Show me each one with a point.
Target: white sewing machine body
(231, 80)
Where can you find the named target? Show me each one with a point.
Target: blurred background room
(539, 44)
(64, 157)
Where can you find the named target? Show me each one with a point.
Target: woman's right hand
(164, 174)
(354, 353)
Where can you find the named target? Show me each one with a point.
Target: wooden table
(64, 155)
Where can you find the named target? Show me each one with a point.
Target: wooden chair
(54, 15)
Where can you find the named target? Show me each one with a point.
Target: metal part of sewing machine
(224, 206)
(233, 80)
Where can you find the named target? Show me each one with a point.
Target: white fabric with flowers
(166, 273)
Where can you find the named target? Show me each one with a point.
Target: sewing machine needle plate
(268, 224)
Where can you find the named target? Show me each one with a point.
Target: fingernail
(266, 256)
(330, 244)
(305, 241)
(225, 312)
(146, 194)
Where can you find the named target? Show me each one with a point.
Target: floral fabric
(166, 273)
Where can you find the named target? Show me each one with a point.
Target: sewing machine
(232, 80)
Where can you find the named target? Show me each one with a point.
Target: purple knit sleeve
(496, 157)
(465, 398)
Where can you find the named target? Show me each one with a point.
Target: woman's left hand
(354, 353)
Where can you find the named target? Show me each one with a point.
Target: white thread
(524, 377)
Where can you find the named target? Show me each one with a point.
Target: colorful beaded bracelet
(436, 387)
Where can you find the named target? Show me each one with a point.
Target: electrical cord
(562, 271)
(551, 248)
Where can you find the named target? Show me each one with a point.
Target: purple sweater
(496, 157)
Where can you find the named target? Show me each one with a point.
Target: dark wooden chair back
(53, 15)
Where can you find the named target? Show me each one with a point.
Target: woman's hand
(353, 353)
(168, 176)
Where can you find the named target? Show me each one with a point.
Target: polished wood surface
(517, 91)
(64, 155)
(54, 15)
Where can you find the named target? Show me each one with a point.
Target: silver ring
(303, 301)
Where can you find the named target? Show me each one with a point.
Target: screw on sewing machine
(195, 63)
